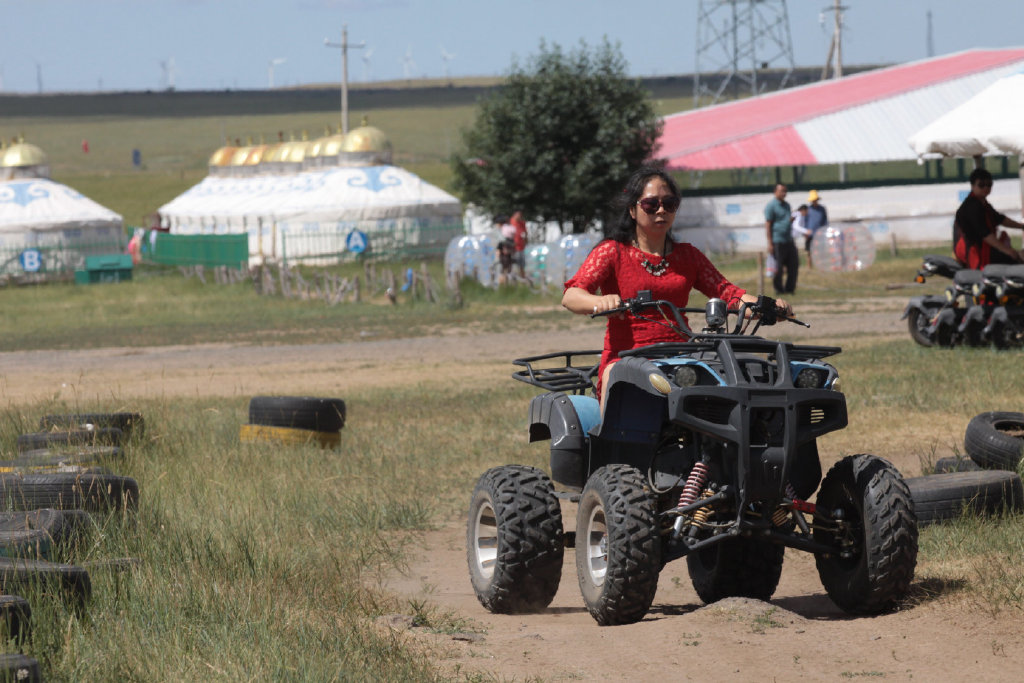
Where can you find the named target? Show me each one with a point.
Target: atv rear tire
(618, 549)
(940, 497)
(995, 440)
(880, 541)
(737, 567)
(514, 540)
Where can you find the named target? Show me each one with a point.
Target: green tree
(559, 139)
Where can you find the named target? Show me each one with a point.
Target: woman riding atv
(640, 255)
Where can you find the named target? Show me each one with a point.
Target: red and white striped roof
(864, 117)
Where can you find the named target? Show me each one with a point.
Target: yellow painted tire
(288, 435)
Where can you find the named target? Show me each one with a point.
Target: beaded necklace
(657, 270)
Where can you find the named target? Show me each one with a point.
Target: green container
(105, 268)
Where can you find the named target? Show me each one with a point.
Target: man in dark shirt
(976, 242)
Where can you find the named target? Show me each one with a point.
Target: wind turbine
(169, 72)
(366, 63)
(270, 70)
(407, 64)
(447, 57)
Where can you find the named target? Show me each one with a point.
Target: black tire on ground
(514, 540)
(955, 464)
(737, 567)
(103, 436)
(15, 619)
(298, 412)
(78, 454)
(40, 534)
(53, 463)
(618, 548)
(880, 539)
(90, 492)
(995, 440)
(20, 668)
(131, 424)
(66, 581)
(917, 323)
(940, 497)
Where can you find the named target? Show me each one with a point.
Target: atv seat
(967, 278)
(1001, 271)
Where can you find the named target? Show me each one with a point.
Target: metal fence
(52, 260)
(384, 240)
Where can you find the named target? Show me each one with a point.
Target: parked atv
(706, 450)
(979, 308)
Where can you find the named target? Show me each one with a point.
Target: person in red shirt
(639, 255)
(519, 239)
(976, 240)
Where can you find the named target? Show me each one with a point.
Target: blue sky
(85, 45)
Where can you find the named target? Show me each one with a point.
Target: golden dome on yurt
(23, 160)
(368, 144)
(221, 159)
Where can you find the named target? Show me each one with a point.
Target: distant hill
(319, 97)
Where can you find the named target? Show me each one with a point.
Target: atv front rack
(564, 378)
(740, 343)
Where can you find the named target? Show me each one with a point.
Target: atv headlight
(809, 378)
(659, 383)
(837, 385)
(685, 376)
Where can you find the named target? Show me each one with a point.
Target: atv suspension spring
(694, 484)
(691, 490)
(700, 515)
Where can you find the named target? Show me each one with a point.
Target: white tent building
(52, 220)
(319, 210)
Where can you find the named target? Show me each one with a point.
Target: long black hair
(624, 229)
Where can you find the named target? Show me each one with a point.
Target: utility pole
(930, 41)
(345, 47)
(835, 46)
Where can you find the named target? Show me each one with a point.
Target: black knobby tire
(91, 492)
(69, 438)
(955, 464)
(995, 440)
(298, 412)
(20, 668)
(132, 424)
(67, 581)
(876, 504)
(737, 567)
(618, 548)
(917, 324)
(940, 497)
(514, 540)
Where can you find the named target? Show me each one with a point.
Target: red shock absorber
(694, 484)
(692, 490)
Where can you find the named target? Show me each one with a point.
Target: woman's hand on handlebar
(608, 302)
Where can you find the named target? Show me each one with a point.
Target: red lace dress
(614, 268)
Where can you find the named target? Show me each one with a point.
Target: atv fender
(567, 421)
(928, 305)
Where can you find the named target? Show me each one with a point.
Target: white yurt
(317, 198)
(55, 224)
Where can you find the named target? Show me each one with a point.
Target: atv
(706, 449)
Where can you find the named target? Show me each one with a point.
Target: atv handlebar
(766, 309)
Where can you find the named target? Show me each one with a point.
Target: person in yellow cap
(817, 218)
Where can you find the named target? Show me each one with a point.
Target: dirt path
(799, 635)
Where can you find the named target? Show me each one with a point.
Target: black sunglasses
(650, 204)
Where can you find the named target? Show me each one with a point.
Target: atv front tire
(917, 324)
(514, 540)
(880, 540)
(737, 567)
(618, 550)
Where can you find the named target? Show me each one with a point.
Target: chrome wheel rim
(485, 540)
(597, 546)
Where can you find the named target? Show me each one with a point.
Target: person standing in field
(779, 226)
(817, 218)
